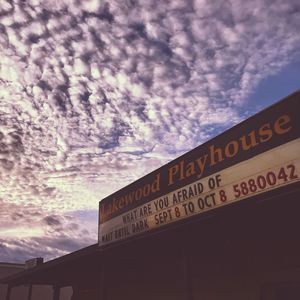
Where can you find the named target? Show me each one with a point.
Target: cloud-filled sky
(95, 94)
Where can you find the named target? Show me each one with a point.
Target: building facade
(220, 222)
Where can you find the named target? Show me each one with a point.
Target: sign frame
(275, 126)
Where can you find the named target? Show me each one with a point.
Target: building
(7, 269)
(219, 222)
(36, 292)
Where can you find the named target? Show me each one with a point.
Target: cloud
(52, 221)
(21, 250)
(95, 94)
(26, 234)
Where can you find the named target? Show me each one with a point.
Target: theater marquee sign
(258, 155)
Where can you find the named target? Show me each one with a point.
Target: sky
(95, 94)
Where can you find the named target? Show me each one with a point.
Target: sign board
(254, 157)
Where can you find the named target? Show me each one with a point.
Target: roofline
(9, 264)
(52, 263)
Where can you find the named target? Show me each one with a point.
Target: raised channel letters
(217, 154)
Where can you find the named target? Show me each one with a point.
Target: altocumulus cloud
(95, 94)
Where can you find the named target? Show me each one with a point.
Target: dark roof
(9, 264)
(43, 273)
